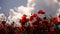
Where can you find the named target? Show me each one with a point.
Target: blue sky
(8, 4)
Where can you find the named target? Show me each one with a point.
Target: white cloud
(22, 10)
(55, 1)
(2, 17)
(58, 11)
(59, 3)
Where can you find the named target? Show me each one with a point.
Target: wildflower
(52, 30)
(38, 18)
(41, 11)
(45, 21)
(55, 20)
(16, 32)
(23, 20)
(35, 22)
(3, 22)
(31, 26)
(59, 15)
(1, 28)
(10, 27)
(21, 28)
(31, 18)
(34, 15)
(24, 16)
(41, 23)
(44, 27)
(49, 24)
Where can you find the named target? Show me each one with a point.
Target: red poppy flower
(41, 26)
(21, 28)
(39, 19)
(16, 27)
(10, 27)
(41, 23)
(45, 21)
(34, 15)
(3, 22)
(41, 11)
(24, 16)
(31, 18)
(35, 22)
(23, 21)
(52, 30)
(31, 26)
(44, 27)
(55, 20)
(16, 32)
(49, 24)
(59, 15)
(1, 28)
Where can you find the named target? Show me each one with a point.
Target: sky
(48, 5)
(6, 5)
(13, 9)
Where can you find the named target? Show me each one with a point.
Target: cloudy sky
(50, 6)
